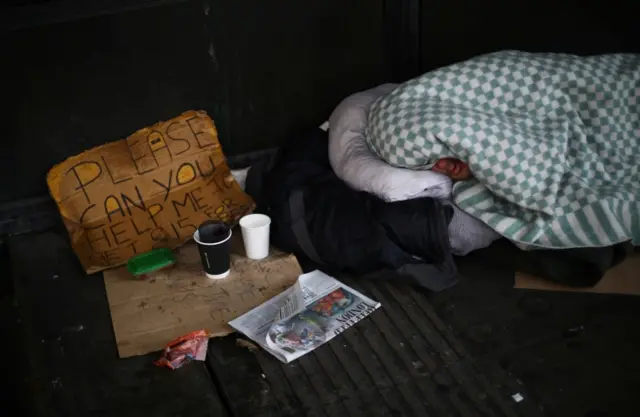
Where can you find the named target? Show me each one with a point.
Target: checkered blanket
(553, 142)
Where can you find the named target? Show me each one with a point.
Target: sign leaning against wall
(147, 191)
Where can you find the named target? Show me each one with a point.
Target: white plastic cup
(255, 233)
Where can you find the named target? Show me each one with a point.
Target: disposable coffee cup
(214, 244)
(255, 233)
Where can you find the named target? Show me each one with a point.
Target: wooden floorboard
(575, 353)
(401, 361)
(462, 352)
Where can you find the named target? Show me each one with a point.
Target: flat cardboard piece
(147, 314)
(622, 279)
(148, 191)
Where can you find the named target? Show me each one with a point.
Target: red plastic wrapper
(191, 346)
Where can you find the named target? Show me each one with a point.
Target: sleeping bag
(317, 215)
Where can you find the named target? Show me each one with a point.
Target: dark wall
(84, 75)
(285, 65)
(455, 30)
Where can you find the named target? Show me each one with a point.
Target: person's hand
(453, 168)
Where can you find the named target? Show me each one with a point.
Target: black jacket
(315, 213)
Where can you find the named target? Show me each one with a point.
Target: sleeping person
(354, 162)
(544, 148)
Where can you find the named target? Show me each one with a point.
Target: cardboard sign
(150, 190)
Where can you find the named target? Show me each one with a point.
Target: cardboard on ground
(622, 279)
(147, 314)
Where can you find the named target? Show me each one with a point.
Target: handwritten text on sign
(150, 190)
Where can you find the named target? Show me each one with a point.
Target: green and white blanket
(553, 142)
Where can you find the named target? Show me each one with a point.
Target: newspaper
(313, 311)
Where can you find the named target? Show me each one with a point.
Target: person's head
(453, 168)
